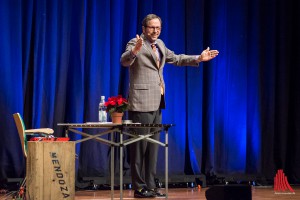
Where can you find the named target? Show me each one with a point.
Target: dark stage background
(238, 114)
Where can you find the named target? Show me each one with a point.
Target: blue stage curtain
(237, 114)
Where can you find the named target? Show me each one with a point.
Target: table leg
(166, 164)
(121, 165)
(112, 167)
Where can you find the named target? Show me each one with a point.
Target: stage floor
(258, 193)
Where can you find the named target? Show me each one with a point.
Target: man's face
(152, 30)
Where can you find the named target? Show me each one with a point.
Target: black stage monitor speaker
(229, 192)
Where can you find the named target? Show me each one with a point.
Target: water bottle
(102, 110)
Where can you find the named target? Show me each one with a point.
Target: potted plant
(116, 106)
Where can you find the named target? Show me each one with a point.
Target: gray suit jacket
(144, 75)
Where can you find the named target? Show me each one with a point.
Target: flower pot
(116, 117)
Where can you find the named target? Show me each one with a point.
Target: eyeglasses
(154, 27)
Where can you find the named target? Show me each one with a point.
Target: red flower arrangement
(116, 104)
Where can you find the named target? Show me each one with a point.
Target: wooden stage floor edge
(258, 193)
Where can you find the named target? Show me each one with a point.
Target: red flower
(116, 104)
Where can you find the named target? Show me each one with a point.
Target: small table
(122, 129)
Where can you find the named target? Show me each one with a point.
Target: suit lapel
(162, 53)
(152, 53)
(149, 48)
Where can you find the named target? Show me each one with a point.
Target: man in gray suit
(146, 56)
